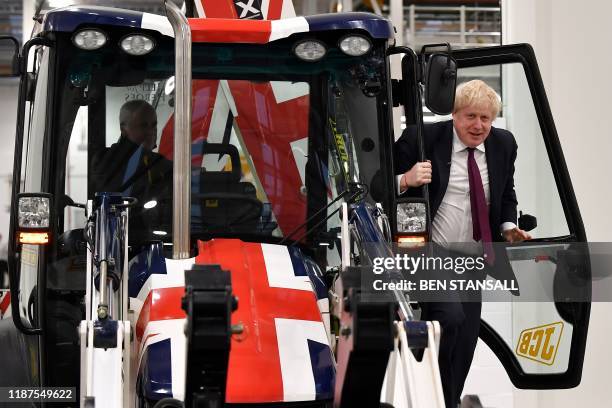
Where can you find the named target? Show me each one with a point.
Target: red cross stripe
(219, 8)
(161, 304)
(230, 30)
(268, 129)
(204, 95)
(5, 303)
(275, 9)
(263, 121)
(254, 369)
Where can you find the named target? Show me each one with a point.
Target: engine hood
(283, 353)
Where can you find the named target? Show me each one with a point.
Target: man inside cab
(131, 167)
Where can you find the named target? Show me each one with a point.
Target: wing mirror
(440, 80)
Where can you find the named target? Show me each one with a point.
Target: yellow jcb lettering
(548, 352)
(525, 340)
(537, 336)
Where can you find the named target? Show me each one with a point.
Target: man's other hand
(418, 175)
(516, 235)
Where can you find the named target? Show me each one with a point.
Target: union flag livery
(283, 353)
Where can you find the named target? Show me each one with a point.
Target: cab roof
(70, 19)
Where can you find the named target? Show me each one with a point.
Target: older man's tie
(480, 211)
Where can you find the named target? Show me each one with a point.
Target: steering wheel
(250, 212)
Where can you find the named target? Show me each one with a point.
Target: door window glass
(535, 332)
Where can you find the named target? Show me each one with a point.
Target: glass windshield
(274, 140)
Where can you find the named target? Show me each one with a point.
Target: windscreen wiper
(355, 191)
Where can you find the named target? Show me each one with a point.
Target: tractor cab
(287, 124)
(250, 162)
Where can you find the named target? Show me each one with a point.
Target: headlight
(33, 218)
(89, 39)
(411, 218)
(310, 50)
(137, 44)
(355, 45)
(33, 212)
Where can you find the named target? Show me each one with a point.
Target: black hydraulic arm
(209, 304)
(366, 340)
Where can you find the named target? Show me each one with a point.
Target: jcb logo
(540, 343)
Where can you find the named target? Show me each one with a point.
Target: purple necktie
(480, 211)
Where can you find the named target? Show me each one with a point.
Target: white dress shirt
(453, 221)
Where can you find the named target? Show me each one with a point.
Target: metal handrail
(462, 33)
(470, 34)
(182, 132)
(457, 8)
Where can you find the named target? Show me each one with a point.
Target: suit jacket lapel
(442, 158)
(494, 164)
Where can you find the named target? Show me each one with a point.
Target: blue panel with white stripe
(69, 19)
(304, 266)
(375, 25)
(149, 261)
(155, 376)
(363, 219)
(297, 260)
(322, 369)
(316, 277)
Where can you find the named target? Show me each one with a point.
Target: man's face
(473, 124)
(142, 128)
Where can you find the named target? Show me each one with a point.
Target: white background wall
(8, 115)
(571, 41)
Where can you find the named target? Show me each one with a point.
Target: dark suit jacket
(500, 148)
(149, 181)
(108, 167)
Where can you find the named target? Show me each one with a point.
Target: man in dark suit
(470, 172)
(130, 167)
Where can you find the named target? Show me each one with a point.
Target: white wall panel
(8, 107)
(570, 40)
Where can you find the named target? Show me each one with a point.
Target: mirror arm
(448, 72)
(408, 51)
(417, 78)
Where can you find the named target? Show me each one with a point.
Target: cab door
(540, 334)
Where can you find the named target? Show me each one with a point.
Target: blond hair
(477, 93)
